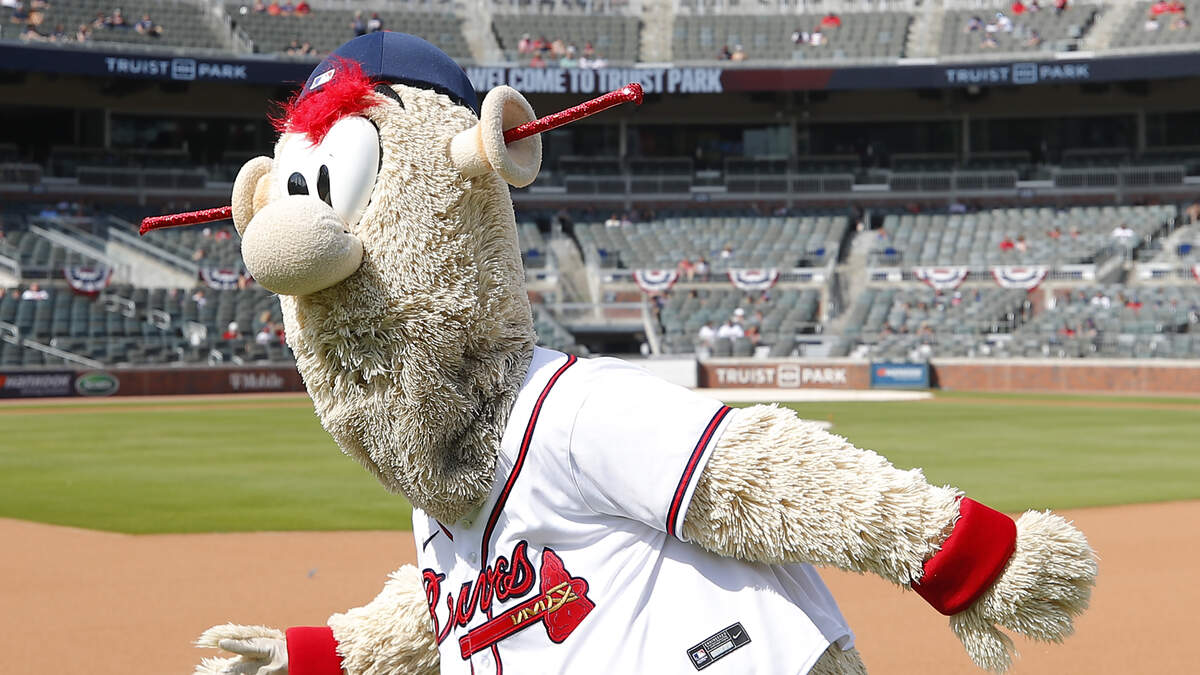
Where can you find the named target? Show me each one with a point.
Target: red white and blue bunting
(224, 279)
(1028, 278)
(87, 280)
(754, 280)
(655, 281)
(942, 278)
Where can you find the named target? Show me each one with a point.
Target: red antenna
(631, 92)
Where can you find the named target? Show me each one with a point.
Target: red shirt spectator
(1177, 7)
(1018, 7)
(831, 20)
(1060, 6)
(273, 9)
(303, 8)
(1160, 7)
(1007, 244)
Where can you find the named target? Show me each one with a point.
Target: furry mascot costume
(570, 515)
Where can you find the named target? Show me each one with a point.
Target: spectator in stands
(1159, 8)
(595, 61)
(589, 51)
(1054, 233)
(568, 60)
(303, 9)
(730, 330)
(1034, 40)
(1180, 22)
(725, 54)
(374, 24)
(613, 221)
(266, 334)
(273, 9)
(1018, 8)
(231, 332)
(35, 293)
(739, 54)
(83, 33)
(147, 27)
(988, 41)
(1007, 244)
(358, 25)
(117, 20)
(1074, 232)
(287, 8)
(686, 270)
(800, 37)
(706, 336)
(20, 14)
(702, 268)
(31, 34)
(831, 20)
(525, 44)
(1123, 233)
(973, 24)
(260, 7)
(817, 38)
(100, 22)
(1022, 246)
(753, 335)
(293, 48)
(537, 61)
(1151, 24)
(59, 34)
(1001, 24)
(727, 252)
(198, 298)
(558, 48)
(1060, 6)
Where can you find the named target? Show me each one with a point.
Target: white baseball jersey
(574, 563)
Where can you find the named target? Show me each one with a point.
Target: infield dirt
(95, 603)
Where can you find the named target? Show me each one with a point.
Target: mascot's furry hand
(261, 651)
(1046, 583)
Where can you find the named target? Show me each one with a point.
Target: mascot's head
(385, 225)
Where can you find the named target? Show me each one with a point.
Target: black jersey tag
(718, 646)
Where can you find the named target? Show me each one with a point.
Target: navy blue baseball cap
(401, 58)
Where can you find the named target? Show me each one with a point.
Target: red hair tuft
(348, 93)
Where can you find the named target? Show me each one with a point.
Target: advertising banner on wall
(900, 375)
(782, 375)
(1055, 69)
(33, 384)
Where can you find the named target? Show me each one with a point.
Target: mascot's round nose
(299, 245)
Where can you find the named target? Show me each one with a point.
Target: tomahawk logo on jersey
(578, 545)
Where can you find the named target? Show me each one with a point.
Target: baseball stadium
(963, 234)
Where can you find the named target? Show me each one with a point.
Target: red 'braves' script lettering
(507, 578)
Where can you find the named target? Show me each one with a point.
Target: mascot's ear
(482, 148)
(250, 191)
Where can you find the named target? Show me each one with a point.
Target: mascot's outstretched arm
(778, 489)
(391, 634)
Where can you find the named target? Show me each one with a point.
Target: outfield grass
(263, 464)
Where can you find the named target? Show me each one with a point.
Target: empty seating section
(1074, 235)
(876, 35)
(184, 24)
(779, 315)
(327, 29)
(207, 246)
(1143, 29)
(534, 252)
(998, 30)
(723, 243)
(552, 334)
(614, 38)
(39, 257)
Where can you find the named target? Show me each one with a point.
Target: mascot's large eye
(340, 170)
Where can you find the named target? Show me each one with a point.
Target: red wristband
(312, 650)
(971, 559)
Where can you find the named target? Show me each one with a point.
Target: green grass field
(265, 464)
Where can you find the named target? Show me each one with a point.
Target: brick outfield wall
(1049, 375)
